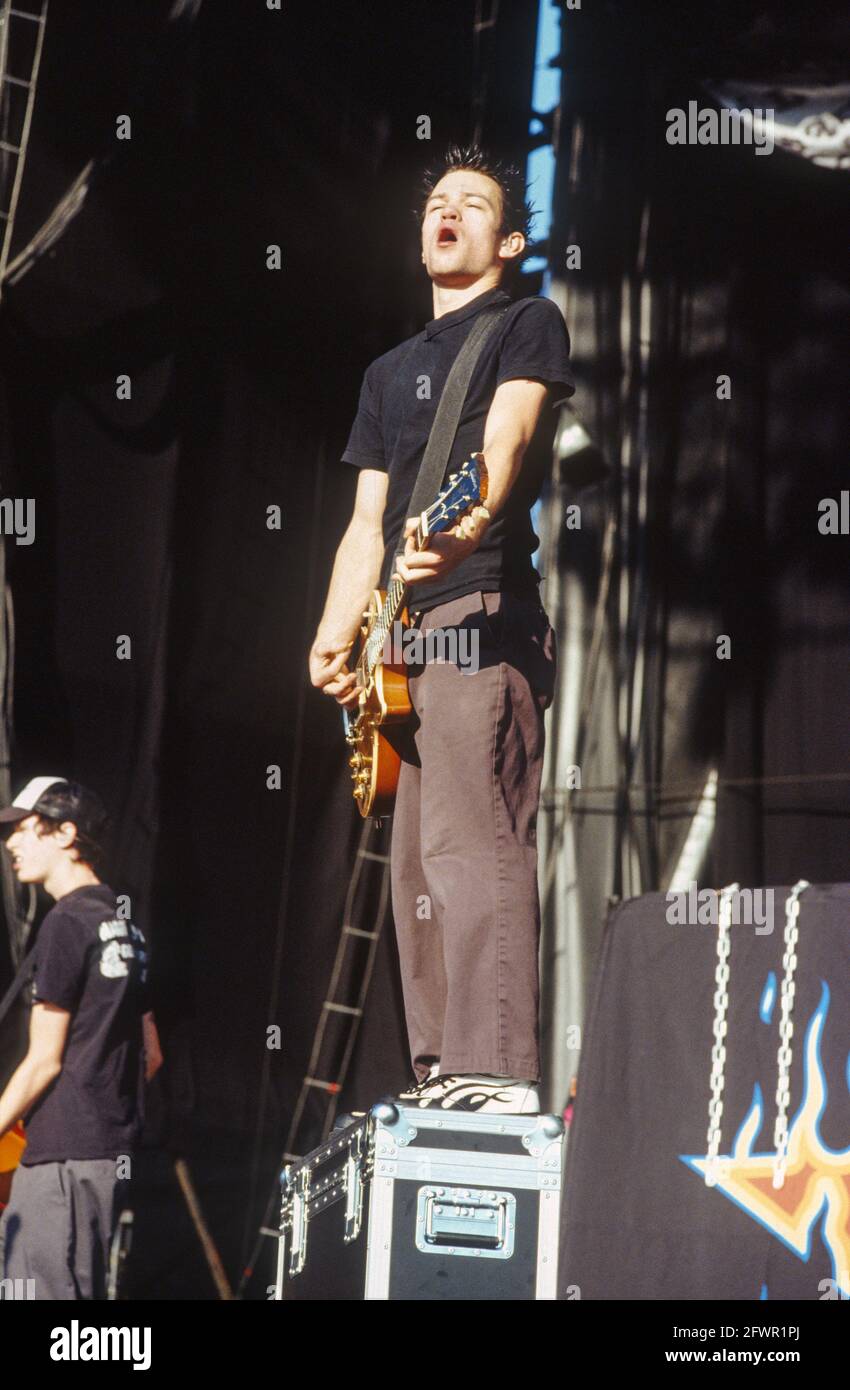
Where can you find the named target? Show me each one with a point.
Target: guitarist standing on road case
(464, 853)
(79, 1088)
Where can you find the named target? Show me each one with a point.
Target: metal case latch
(300, 1196)
(354, 1188)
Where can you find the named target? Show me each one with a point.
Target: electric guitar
(374, 732)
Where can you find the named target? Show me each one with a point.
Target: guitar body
(12, 1146)
(376, 731)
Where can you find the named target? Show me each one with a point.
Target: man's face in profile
(34, 850)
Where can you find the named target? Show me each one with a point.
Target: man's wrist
(329, 641)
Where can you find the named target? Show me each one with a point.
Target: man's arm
(511, 422)
(153, 1050)
(356, 571)
(42, 1064)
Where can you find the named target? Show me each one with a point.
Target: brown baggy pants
(464, 851)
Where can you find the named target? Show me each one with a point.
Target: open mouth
(446, 237)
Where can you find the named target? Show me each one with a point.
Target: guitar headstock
(463, 491)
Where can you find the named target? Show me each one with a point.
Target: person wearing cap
(79, 1089)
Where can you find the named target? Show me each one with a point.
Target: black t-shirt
(392, 426)
(93, 963)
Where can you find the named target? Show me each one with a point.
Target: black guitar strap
(22, 978)
(432, 470)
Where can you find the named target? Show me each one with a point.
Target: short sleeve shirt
(92, 962)
(399, 398)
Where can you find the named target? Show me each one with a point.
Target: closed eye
(470, 202)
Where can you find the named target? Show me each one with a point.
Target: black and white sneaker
(483, 1094)
(417, 1093)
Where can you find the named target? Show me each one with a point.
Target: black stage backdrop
(251, 128)
(254, 128)
(699, 261)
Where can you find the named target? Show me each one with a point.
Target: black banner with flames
(641, 1221)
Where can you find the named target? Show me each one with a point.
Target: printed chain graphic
(817, 1178)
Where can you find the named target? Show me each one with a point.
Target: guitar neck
(464, 490)
(394, 602)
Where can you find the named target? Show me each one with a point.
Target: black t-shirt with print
(392, 426)
(92, 962)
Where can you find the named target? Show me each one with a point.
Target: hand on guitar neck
(439, 554)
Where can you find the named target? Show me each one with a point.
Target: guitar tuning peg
(453, 477)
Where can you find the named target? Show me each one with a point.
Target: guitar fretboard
(463, 491)
(394, 602)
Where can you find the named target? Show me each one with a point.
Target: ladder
(21, 41)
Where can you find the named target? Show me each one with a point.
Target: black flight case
(409, 1203)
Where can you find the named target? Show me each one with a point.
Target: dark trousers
(464, 850)
(58, 1227)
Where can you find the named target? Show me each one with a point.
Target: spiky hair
(517, 212)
